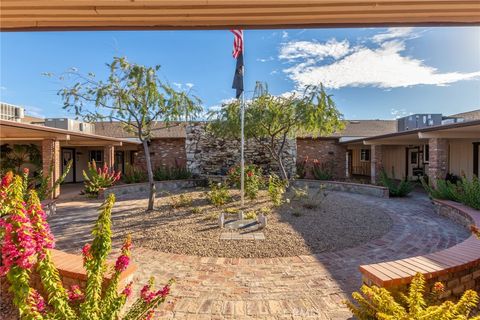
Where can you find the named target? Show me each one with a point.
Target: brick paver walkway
(302, 287)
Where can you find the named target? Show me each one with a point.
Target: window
(97, 156)
(365, 155)
(426, 153)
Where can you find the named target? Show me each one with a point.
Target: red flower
(250, 173)
(7, 179)
(122, 263)
(438, 287)
(26, 171)
(127, 291)
(75, 293)
(87, 255)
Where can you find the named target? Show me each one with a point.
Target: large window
(365, 155)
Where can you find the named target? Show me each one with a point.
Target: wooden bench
(459, 261)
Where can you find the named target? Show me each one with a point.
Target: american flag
(237, 42)
(238, 54)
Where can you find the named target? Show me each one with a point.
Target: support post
(438, 159)
(109, 156)
(376, 163)
(51, 157)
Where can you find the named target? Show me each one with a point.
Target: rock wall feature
(210, 155)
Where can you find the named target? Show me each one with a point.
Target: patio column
(109, 156)
(51, 156)
(438, 159)
(376, 163)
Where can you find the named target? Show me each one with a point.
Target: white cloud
(3, 88)
(265, 59)
(284, 34)
(399, 113)
(383, 64)
(307, 49)
(394, 33)
(189, 85)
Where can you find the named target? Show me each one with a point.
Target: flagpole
(242, 125)
(242, 155)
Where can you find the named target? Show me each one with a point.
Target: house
(410, 147)
(60, 140)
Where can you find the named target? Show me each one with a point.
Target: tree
(270, 120)
(133, 95)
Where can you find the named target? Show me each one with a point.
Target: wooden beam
(91, 143)
(449, 135)
(220, 14)
(394, 143)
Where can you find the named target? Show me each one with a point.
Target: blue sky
(373, 73)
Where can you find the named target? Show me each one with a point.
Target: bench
(71, 270)
(459, 265)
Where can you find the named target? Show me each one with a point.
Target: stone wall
(326, 151)
(163, 152)
(210, 155)
(365, 189)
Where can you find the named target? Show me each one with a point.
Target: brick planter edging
(365, 189)
(142, 188)
(458, 267)
(71, 270)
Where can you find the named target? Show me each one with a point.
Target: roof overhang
(11, 131)
(23, 15)
(462, 130)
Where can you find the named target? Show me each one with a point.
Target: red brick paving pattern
(302, 287)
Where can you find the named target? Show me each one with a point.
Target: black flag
(238, 77)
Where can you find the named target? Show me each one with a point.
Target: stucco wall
(461, 157)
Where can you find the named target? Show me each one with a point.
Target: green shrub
(253, 179)
(322, 171)
(27, 242)
(171, 173)
(276, 189)
(401, 189)
(218, 194)
(97, 179)
(464, 191)
(302, 168)
(134, 175)
(251, 215)
(378, 303)
(44, 190)
(180, 201)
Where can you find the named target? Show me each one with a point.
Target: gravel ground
(304, 226)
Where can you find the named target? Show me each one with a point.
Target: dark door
(120, 161)
(68, 155)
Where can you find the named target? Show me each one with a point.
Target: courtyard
(295, 278)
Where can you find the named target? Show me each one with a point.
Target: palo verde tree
(271, 120)
(133, 95)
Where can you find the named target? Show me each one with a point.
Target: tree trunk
(151, 197)
(283, 172)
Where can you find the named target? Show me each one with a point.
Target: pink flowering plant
(25, 249)
(97, 179)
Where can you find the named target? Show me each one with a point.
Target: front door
(413, 164)
(68, 155)
(119, 163)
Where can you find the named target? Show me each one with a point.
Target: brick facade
(376, 163)
(163, 152)
(438, 159)
(51, 154)
(326, 151)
